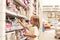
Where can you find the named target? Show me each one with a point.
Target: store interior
(17, 10)
(51, 28)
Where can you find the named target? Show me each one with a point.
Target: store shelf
(14, 29)
(19, 16)
(9, 13)
(20, 3)
(10, 31)
(51, 11)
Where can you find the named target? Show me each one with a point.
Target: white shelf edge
(22, 4)
(23, 16)
(16, 15)
(12, 13)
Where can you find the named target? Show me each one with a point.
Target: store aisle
(48, 35)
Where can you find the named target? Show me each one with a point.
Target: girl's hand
(25, 34)
(19, 20)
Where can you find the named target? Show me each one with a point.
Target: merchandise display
(16, 10)
(52, 15)
(29, 20)
(12, 24)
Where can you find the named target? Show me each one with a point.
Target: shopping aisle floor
(48, 35)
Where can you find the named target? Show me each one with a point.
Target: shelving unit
(50, 14)
(11, 9)
(20, 3)
(15, 15)
(16, 10)
(53, 10)
(11, 15)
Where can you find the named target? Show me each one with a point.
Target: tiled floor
(48, 35)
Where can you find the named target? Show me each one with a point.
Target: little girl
(34, 29)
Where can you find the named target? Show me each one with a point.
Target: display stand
(15, 11)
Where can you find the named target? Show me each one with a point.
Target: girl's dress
(36, 32)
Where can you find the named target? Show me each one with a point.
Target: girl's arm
(23, 25)
(29, 35)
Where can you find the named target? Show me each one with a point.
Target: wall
(2, 19)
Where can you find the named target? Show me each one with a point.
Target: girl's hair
(36, 21)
